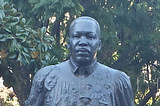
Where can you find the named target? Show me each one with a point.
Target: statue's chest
(94, 90)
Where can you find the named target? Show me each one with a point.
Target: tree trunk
(58, 34)
(22, 92)
(22, 85)
(150, 94)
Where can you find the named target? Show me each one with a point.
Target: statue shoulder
(123, 90)
(121, 85)
(122, 77)
(45, 71)
(53, 74)
(44, 79)
(37, 91)
(117, 75)
(42, 73)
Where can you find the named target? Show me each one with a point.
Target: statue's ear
(99, 47)
(68, 43)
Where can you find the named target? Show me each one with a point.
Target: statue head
(84, 40)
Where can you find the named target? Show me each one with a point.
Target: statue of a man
(81, 80)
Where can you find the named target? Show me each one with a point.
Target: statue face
(84, 41)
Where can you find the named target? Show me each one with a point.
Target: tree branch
(150, 94)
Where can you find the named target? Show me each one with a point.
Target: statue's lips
(82, 52)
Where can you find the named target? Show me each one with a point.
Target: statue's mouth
(82, 52)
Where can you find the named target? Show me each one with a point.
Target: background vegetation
(33, 34)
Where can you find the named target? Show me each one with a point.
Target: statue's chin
(83, 61)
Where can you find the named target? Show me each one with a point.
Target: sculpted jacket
(60, 85)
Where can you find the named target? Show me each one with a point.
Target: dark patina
(81, 80)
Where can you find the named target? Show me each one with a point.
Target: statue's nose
(83, 41)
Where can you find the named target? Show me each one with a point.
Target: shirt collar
(89, 69)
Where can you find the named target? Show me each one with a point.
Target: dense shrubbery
(33, 34)
(7, 96)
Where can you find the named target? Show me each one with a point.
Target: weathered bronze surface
(81, 80)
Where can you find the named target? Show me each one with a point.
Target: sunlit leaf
(19, 57)
(43, 62)
(25, 49)
(12, 55)
(1, 35)
(8, 29)
(2, 14)
(3, 54)
(13, 28)
(35, 54)
(3, 39)
(24, 20)
(45, 47)
(43, 30)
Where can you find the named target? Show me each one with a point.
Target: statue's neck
(81, 69)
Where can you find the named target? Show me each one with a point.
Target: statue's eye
(76, 35)
(91, 36)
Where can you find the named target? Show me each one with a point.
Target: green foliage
(22, 49)
(8, 98)
(129, 32)
(19, 40)
(55, 7)
(13, 34)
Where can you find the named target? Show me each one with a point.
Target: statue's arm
(123, 90)
(37, 91)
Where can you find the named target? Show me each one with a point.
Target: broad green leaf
(43, 49)
(6, 6)
(24, 20)
(25, 49)
(43, 62)
(11, 37)
(2, 14)
(22, 34)
(46, 47)
(35, 54)
(25, 54)
(14, 10)
(1, 35)
(47, 56)
(13, 28)
(12, 23)
(24, 39)
(49, 38)
(8, 29)
(12, 55)
(19, 57)
(3, 54)
(3, 39)
(43, 30)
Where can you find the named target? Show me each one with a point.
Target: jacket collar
(86, 70)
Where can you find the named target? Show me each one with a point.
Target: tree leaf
(45, 47)
(43, 62)
(43, 30)
(8, 29)
(3, 39)
(13, 28)
(2, 14)
(19, 57)
(12, 55)
(1, 35)
(24, 20)
(35, 54)
(3, 54)
(25, 49)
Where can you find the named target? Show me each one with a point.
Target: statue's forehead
(83, 20)
(85, 25)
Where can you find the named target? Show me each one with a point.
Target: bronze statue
(81, 80)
